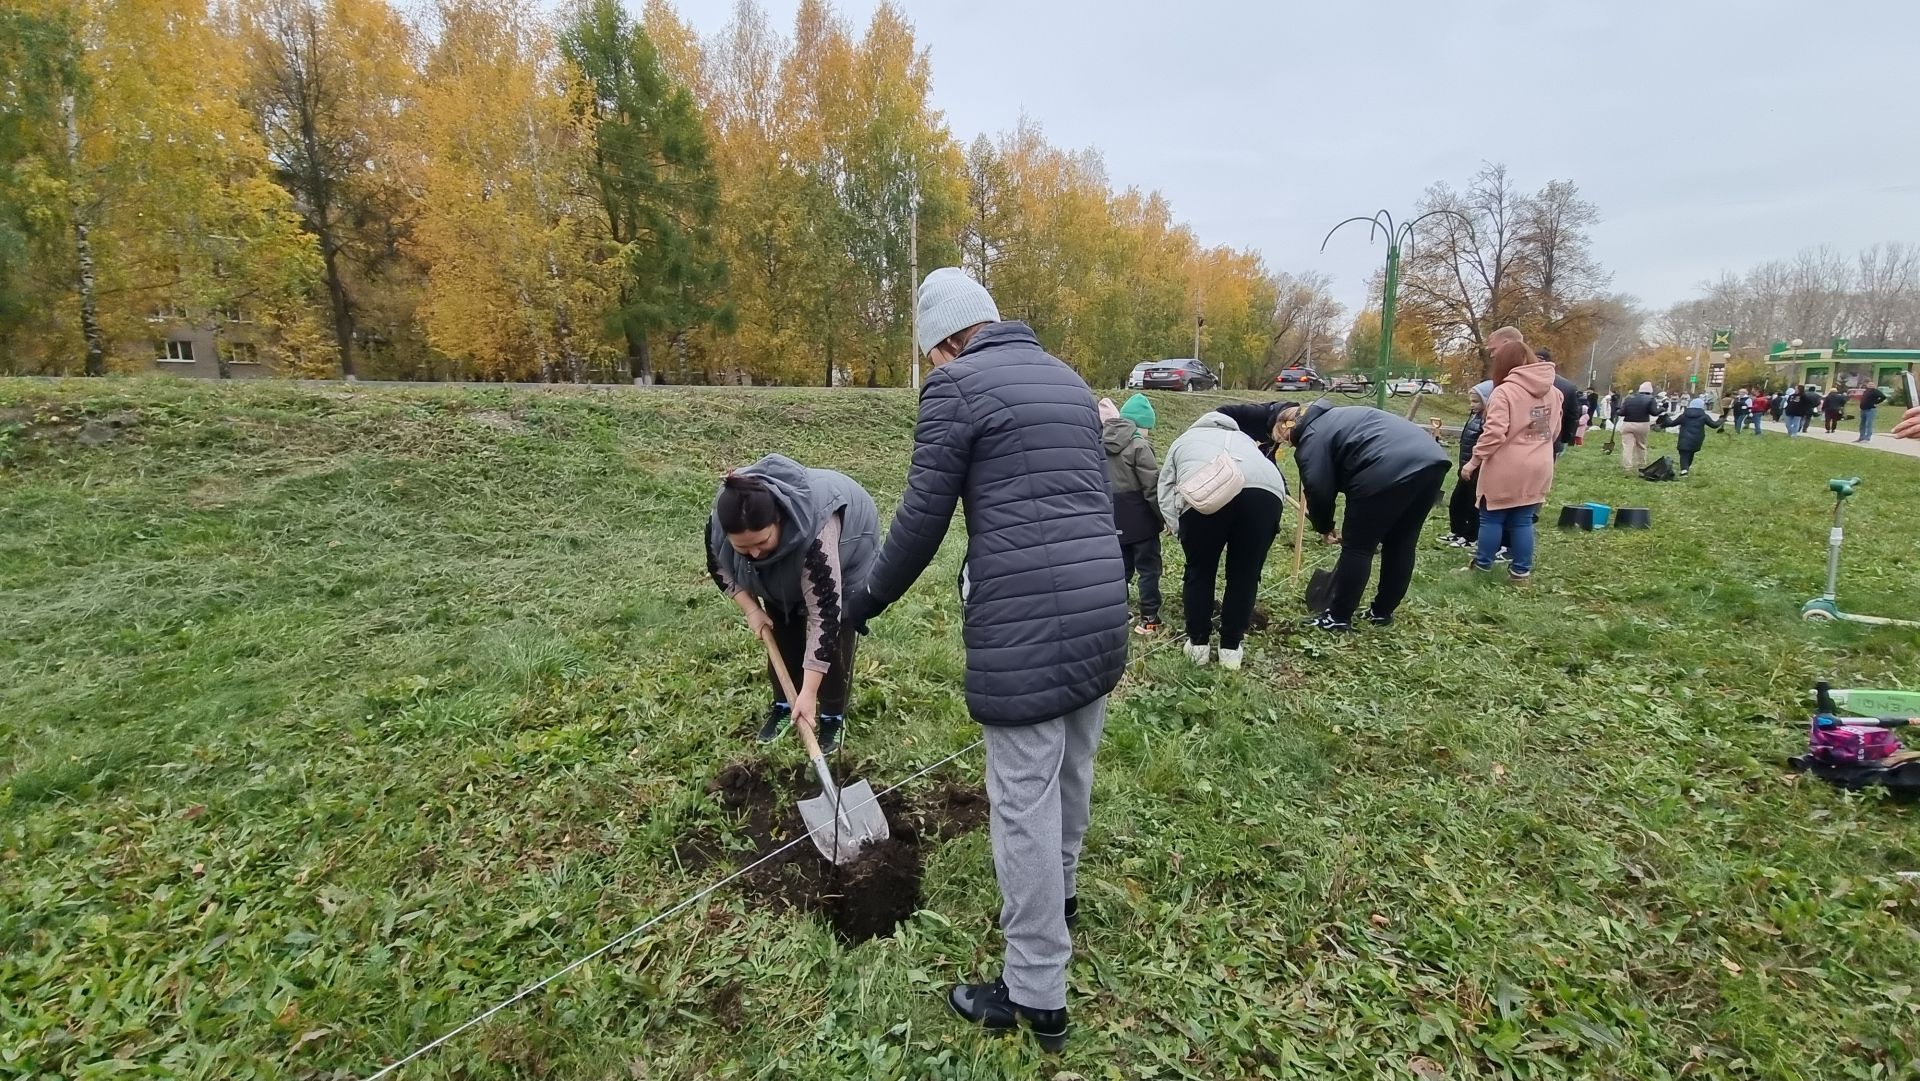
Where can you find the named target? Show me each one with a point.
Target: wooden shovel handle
(793, 698)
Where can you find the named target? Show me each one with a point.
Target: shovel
(841, 821)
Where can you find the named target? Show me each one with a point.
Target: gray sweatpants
(1040, 782)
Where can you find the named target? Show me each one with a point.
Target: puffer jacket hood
(1116, 433)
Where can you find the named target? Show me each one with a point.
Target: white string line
(630, 935)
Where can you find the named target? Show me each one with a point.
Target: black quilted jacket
(1013, 433)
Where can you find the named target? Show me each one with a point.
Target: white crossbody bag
(1214, 486)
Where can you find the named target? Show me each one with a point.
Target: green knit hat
(1139, 410)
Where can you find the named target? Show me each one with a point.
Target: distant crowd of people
(1066, 505)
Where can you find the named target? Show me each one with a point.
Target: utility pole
(1198, 319)
(913, 280)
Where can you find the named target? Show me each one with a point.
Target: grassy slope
(329, 717)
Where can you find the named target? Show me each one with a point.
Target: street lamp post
(913, 280)
(1397, 235)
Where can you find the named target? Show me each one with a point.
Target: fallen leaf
(1426, 1068)
(199, 869)
(1379, 920)
(194, 811)
(307, 1037)
(1730, 966)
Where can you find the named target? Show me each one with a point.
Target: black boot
(987, 1005)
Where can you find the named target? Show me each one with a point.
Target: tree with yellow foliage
(516, 282)
(331, 87)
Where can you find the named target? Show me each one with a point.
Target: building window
(233, 313)
(167, 312)
(241, 352)
(177, 351)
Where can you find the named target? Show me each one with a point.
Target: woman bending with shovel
(788, 545)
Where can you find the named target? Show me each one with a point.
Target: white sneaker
(1230, 658)
(1202, 653)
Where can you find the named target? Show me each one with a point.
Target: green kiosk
(1845, 367)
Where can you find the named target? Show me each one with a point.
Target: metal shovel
(842, 820)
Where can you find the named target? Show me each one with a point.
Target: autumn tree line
(488, 190)
(494, 189)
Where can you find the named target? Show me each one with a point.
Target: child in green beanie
(1133, 474)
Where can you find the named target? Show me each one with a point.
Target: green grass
(330, 717)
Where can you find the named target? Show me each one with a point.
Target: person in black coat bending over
(1014, 434)
(1390, 470)
(1260, 421)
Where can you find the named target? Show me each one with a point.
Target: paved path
(1881, 440)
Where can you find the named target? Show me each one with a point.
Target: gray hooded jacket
(807, 498)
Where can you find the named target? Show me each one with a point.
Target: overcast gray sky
(1710, 133)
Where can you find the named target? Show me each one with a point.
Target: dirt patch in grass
(867, 898)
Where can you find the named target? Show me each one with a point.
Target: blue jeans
(1756, 423)
(1515, 524)
(1796, 425)
(1866, 424)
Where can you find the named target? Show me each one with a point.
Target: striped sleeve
(824, 595)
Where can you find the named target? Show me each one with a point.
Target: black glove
(860, 610)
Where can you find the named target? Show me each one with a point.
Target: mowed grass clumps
(329, 717)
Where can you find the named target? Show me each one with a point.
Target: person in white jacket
(1243, 530)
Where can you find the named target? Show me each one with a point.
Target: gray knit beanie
(951, 302)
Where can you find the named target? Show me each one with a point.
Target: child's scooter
(1825, 607)
(1858, 752)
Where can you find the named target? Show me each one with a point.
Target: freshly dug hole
(866, 898)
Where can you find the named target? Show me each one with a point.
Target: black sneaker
(1326, 622)
(778, 715)
(1377, 619)
(828, 731)
(987, 1005)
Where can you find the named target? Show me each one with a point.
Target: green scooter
(1825, 608)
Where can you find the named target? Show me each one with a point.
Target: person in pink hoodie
(1513, 459)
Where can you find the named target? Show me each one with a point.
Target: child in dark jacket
(1463, 517)
(1133, 474)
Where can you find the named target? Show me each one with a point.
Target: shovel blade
(860, 822)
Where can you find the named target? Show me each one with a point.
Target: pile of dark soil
(865, 899)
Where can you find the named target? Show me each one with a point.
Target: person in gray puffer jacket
(1013, 434)
(789, 545)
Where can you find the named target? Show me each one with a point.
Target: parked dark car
(1179, 375)
(1299, 379)
(1351, 384)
